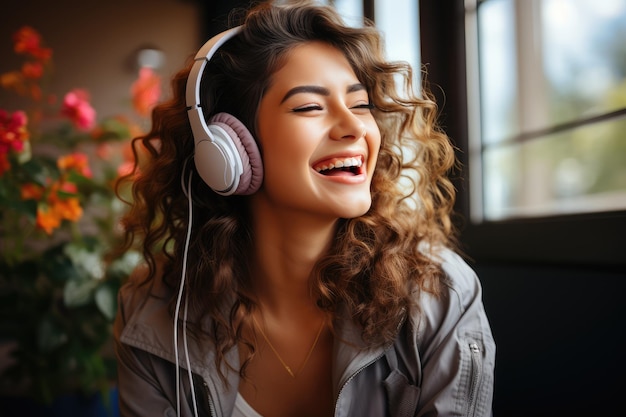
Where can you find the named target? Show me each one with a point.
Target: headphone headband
(204, 55)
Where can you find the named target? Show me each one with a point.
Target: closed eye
(303, 109)
(315, 107)
(368, 106)
(362, 109)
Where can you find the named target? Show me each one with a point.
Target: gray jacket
(440, 364)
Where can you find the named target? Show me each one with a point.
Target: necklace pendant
(287, 368)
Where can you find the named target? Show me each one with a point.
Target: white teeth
(346, 163)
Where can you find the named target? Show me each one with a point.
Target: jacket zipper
(208, 398)
(476, 376)
(358, 371)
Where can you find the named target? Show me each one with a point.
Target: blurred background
(532, 93)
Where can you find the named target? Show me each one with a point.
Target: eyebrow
(323, 91)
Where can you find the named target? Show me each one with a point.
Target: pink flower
(125, 168)
(146, 91)
(77, 108)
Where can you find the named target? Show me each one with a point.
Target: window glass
(498, 70)
(351, 11)
(400, 28)
(580, 170)
(552, 99)
(584, 55)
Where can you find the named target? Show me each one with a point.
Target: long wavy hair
(376, 261)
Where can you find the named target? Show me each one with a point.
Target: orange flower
(77, 108)
(77, 162)
(57, 208)
(28, 41)
(146, 91)
(13, 80)
(68, 209)
(47, 219)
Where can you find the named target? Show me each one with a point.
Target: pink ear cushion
(252, 175)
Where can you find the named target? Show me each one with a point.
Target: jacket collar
(151, 329)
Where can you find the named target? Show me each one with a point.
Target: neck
(287, 246)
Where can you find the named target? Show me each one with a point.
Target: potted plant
(59, 269)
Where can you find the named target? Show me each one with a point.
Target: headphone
(227, 159)
(226, 155)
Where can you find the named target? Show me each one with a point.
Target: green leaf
(87, 258)
(122, 267)
(78, 292)
(114, 128)
(106, 300)
(41, 170)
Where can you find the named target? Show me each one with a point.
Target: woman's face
(318, 137)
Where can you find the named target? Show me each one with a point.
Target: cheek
(284, 161)
(375, 142)
(286, 144)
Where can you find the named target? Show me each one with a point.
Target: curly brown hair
(375, 262)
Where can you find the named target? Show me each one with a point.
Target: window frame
(576, 239)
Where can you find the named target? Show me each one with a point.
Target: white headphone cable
(187, 192)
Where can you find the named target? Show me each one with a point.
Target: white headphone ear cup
(217, 161)
(248, 150)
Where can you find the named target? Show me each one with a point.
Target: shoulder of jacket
(139, 288)
(460, 278)
(143, 303)
(460, 282)
(460, 288)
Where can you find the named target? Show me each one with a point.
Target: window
(399, 25)
(564, 226)
(547, 103)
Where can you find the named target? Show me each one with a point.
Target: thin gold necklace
(287, 368)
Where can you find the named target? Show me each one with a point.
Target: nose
(347, 126)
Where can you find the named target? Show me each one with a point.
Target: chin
(356, 209)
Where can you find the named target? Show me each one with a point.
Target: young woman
(307, 269)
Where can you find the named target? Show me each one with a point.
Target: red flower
(32, 70)
(146, 91)
(13, 134)
(28, 41)
(31, 191)
(77, 108)
(5, 165)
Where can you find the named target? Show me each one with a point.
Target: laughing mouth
(338, 166)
